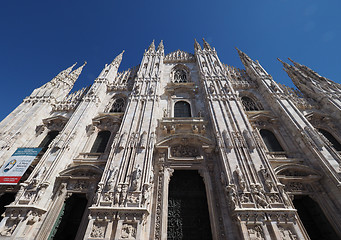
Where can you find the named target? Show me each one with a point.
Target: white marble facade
(257, 145)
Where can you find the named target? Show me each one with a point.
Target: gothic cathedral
(180, 147)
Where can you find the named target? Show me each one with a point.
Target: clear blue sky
(41, 38)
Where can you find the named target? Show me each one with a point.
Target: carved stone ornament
(286, 233)
(98, 230)
(55, 123)
(9, 227)
(128, 231)
(255, 232)
(184, 151)
(295, 187)
(179, 56)
(259, 196)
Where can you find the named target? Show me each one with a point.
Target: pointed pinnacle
(160, 47)
(79, 70)
(118, 59)
(152, 46)
(196, 45)
(296, 64)
(243, 55)
(287, 66)
(280, 60)
(206, 45)
(239, 52)
(69, 69)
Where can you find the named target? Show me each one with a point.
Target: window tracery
(250, 105)
(180, 76)
(118, 105)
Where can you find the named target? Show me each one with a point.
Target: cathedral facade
(180, 147)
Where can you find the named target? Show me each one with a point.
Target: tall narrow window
(271, 141)
(47, 140)
(118, 105)
(250, 105)
(182, 109)
(101, 142)
(335, 143)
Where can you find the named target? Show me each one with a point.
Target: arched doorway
(188, 216)
(313, 219)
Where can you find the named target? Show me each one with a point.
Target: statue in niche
(128, 231)
(136, 177)
(259, 196)
(117, 195)
(267, 178)
(123, 195)
(245, 198)
(146, 194)
(165, 114)
(232, 196)
(240, 179)
(212, 89)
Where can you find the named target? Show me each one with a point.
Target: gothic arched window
(180, 76)
(271, 141)
(101, 142)
(118, 105)
(335, 143)
(250, 105)
(182, 109)
(47, 140)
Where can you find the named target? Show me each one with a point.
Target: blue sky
(41, 38)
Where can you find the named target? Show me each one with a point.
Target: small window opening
(47, 140)
(182, 109)
(271, 141)
(101, 142)
(335, 143)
